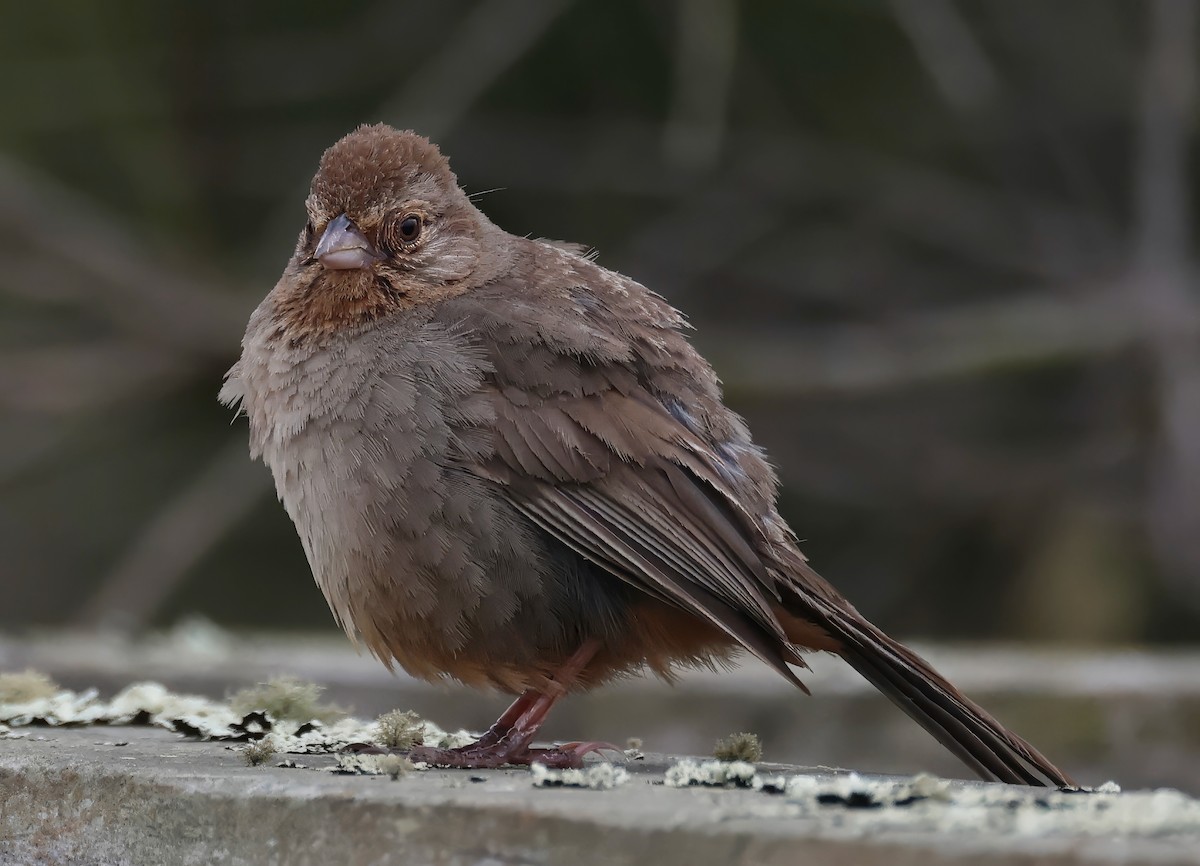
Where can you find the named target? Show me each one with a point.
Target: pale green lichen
(259, 752)
(29, 685)
(739, 747)
(295, 715)
(400, 729)
(286, 698)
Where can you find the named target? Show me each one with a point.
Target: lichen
(598, 777)
(742, 746)
(29, 685)
(395, 765)
(712, 774)
(286, 698)
(435, 736)
(400, 729)
(373, 765)
(151, 703)
(926, 802)
(259, 752)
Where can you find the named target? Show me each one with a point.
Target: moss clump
(739, 747)
(400, 729)
(27, 686)
(286, 698)
(259, 752)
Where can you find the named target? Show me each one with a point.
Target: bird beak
(342, 247)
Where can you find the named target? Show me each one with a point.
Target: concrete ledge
(1126, 716)
(137, 795)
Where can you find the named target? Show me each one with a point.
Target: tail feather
(959, 724)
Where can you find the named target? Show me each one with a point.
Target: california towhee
(508, 466)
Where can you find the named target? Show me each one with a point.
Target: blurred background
(940, 253)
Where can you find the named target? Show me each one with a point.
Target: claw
(583, 748)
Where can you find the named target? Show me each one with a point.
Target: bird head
(387, 226)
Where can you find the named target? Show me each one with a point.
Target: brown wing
(609, 433)
(615, 477)
(606, 425)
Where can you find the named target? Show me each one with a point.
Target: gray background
(941, 253)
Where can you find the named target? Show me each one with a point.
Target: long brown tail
(959, 724)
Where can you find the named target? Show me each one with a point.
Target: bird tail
(959, 724)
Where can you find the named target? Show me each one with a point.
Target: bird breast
(366, 434)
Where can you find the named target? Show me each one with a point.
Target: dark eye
(401, 232)
(409, 228)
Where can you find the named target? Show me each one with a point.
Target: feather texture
(496, 453)
(611, 436)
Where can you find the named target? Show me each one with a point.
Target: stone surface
(134, 795)
(1129, 716)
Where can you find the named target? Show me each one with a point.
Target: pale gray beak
(342, 247)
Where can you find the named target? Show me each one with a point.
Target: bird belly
(422, 561)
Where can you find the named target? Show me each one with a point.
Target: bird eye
(409, 228)
(401, 233)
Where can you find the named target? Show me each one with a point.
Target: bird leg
(507, 740)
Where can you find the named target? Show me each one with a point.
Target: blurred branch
(1056, 241)
(168, 327)
(1029, 329)
(948, 50)
(180, 533)
(1162, 280)
(1053, 239)
(705, 54)
(156, 302)
(664, 251)
(29, 447)
(969, 82)
(491, 38)
(76, 377)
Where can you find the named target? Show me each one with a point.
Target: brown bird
(508, 466)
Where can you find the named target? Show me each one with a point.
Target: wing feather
(610, 475)
(609, 434)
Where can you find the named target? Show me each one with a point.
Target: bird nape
(508, 466)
